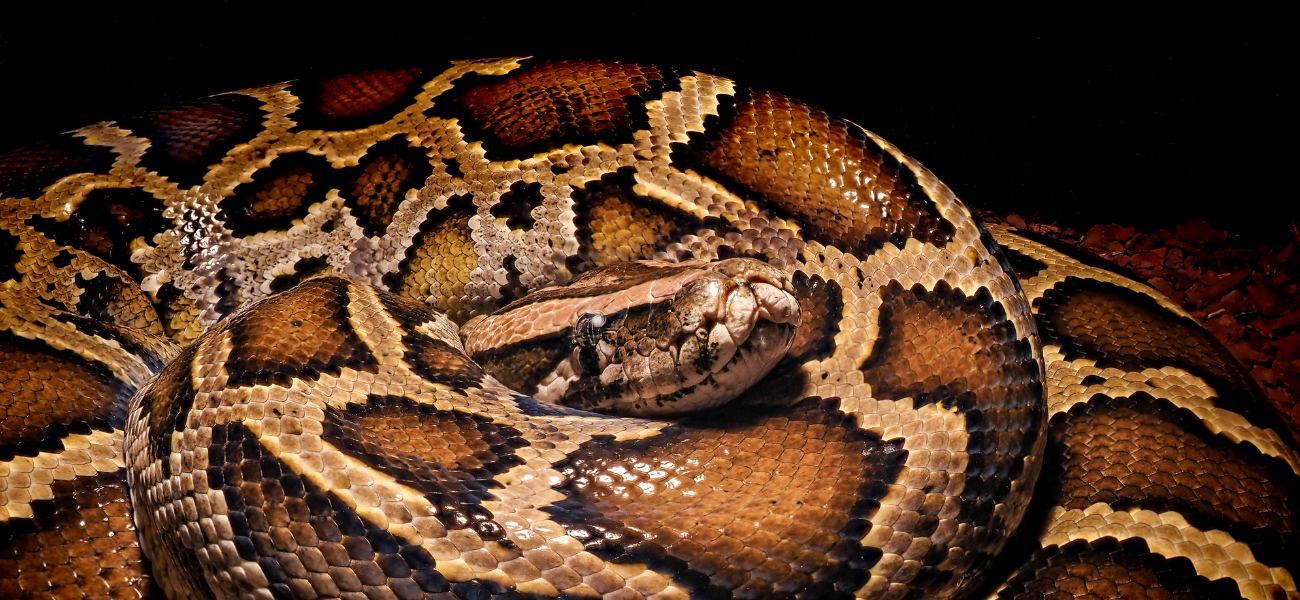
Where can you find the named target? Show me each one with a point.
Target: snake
(532, 328)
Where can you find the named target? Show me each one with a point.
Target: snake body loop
(346, 338)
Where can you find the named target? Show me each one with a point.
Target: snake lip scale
(346, 338)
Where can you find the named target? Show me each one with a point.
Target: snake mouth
(734, 340)
(718, 335)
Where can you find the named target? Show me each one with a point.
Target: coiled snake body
(185, 409)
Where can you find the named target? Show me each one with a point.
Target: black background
(1098, 116)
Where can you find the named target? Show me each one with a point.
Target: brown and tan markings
(769, 505)
(1117, 358)
(336, 441)
(305, 541)
(548, 104)
(1113, 569)
(296, 337)
(277, 195)
(106, 223)
(390, 172)
(1140, 452)
(1158, 478)
(27, 172)
(185, 140)
(941, 348)
(51, 393)
(80, 543)
(65, 522)
(440, 259)
(451, 457)
(353, 101)
(615, 224)
(774, 148)
(1123, 329)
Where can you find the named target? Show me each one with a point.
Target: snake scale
(230, 363)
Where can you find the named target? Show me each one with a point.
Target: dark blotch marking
(1143, 452)
(546, 105)
(83, 539)
(301, 535)
(1093, 380)
(1022, 265)
(170, 396)
(1004, 261)
(100, 296)
(432, 358)
(516, 206)
(601, 211)
(52, 303)
(1106, 568)
(48, 393)
(278, 195)
(188, 138)
(822, 303)
(230, 297)
(130, 339)
(9, 255)
(940, 347)
(106, 222)
(523, 365)
(298, 334)
(409, 313)
(1126, 330)
(170, 302)
(26, 172)
(452, 166)
(438, 361)
(750, 147)
(62, 259)
(514, 288)
(1083, 256)
(373, 190)
(451, 457)
(378, 185)
(354, 100)
(304, 269)
(799, 489)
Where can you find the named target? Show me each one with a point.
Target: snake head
(645, 338)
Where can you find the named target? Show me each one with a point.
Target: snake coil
(230, 363)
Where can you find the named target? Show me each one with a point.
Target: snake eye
(588, 328)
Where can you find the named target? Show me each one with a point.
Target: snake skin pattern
(230, 365)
